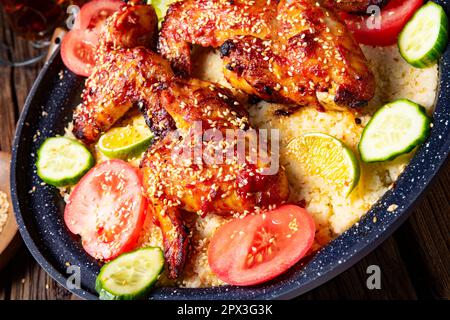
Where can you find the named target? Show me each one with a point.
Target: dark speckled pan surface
(39, 213)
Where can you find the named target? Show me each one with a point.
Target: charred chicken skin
(128, 73)
(118, 82)
(175, 182)
(292, 52)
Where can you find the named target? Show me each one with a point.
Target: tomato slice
(79, 45)
(78, 49)
(393, 16)
(94, 13)
(260, 247)
(107, 209)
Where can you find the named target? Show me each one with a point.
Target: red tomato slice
(80, 44)
(107, 209)
(258, 248)
(394, 16)
(78, 49)
(94, 13)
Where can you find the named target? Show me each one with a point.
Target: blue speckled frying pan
(40, 213)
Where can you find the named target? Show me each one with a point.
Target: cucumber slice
(395, 129)
(63, 161)
(131, 275)
(424, 38)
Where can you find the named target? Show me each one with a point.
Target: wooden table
(414, 262)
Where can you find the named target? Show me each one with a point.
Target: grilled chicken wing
(293, 52)
(128, 73)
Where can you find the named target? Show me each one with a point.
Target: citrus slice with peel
(125, 142)
(328, 158)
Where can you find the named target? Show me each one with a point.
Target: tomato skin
(394, 16)
(235, 247)
(109, 218)
(78, 49)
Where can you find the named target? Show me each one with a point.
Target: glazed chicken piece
(353, 6)
(122, 62)
(128, 73)
(292, 52)
(175, 180)
(210, 24)
(125, 78)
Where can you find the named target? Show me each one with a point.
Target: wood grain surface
(414, 262)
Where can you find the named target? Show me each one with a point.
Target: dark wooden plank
(7, 121)
(5, 285)
(425, 241)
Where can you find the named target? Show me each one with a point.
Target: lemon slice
(126, 142)
(326, 157)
